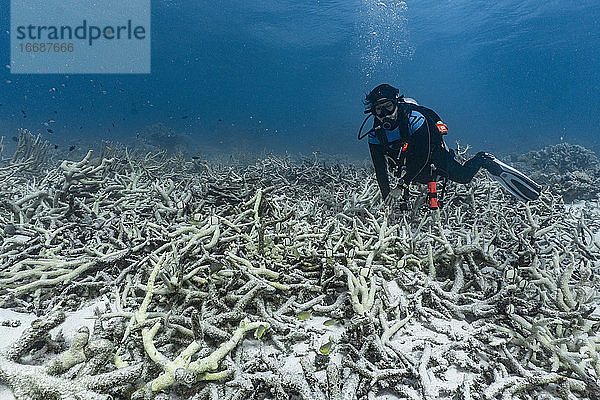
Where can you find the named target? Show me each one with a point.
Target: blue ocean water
(290, 75)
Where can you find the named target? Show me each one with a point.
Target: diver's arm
(379, 163)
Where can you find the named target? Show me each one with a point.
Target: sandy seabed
(127, 275)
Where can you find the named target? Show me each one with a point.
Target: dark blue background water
(291, 74)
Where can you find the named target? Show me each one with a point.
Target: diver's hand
(388, 202)
(396, 192)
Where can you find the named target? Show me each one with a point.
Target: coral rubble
(277, 278)
(571, 170)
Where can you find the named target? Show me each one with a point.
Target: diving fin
(516, 182)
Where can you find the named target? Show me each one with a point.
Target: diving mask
(384, 109)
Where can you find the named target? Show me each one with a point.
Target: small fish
(220, 120)
(50, 130)
(55, 146)
(113, 124)
(72, 148)
(326, 348)
(184, 117)
(121, 90)
(259, 332)
(304, 315)
(331, 322)
(16, 139)
(23, 112)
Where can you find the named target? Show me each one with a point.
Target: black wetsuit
(425, 156)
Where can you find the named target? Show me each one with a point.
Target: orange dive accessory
(441, 127)
(432, 200)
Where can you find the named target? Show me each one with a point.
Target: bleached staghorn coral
(272, 242)
(31, 152)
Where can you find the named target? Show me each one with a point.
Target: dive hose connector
(432, 200)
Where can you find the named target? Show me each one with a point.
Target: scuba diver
(410, 138)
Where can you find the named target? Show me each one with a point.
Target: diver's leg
(461, 173)
(379, 163)
(517, 183)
